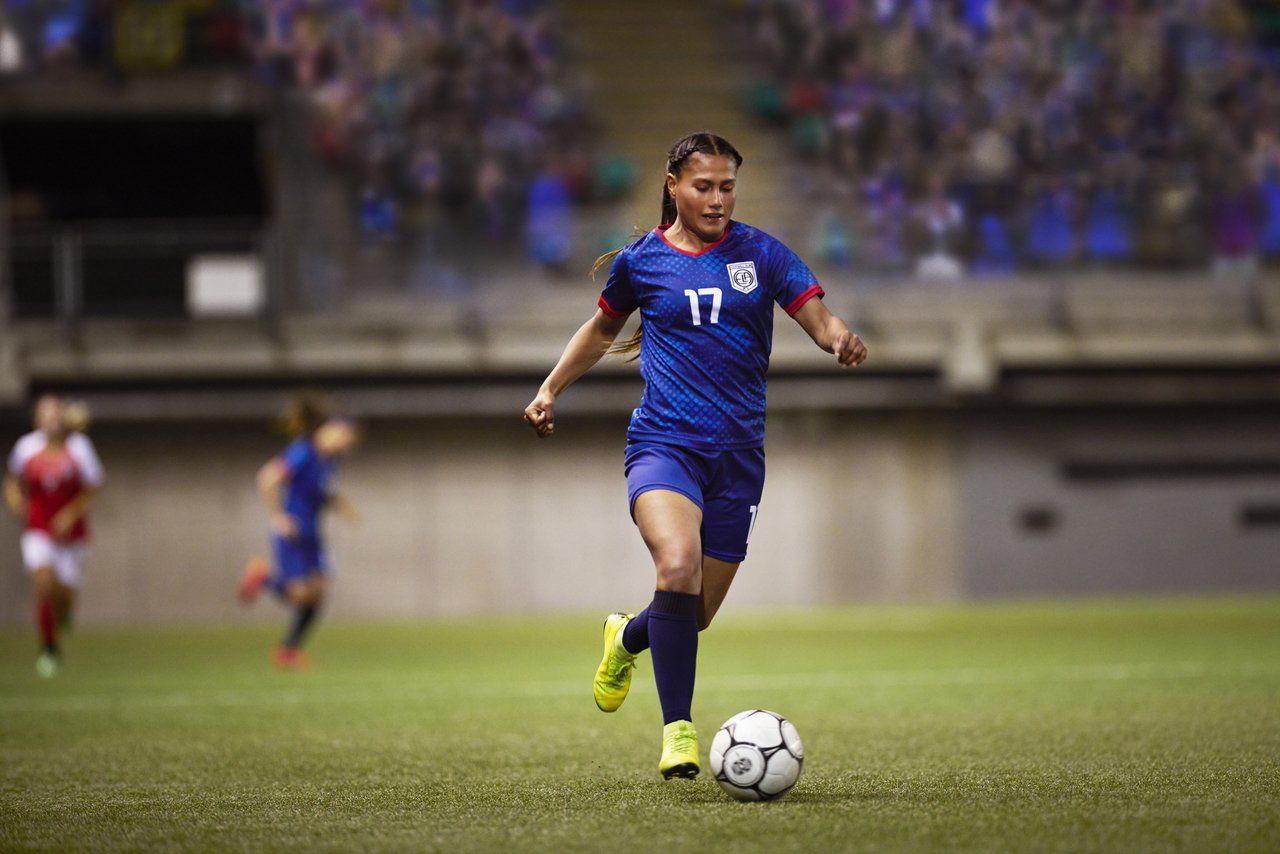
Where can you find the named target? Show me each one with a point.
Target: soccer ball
(757, 756)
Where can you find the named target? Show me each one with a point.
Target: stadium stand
(1001, 136)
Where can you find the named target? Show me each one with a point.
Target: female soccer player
(54, 473)
(705, 288)
(295, 489)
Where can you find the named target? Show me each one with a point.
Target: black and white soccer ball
(757, 756)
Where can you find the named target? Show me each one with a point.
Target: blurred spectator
(1236, 212)
(1270, 191)
(1132, 106)
(937, 233)
(379, 214)
(550, 225)
(995, 256)
(1108, 227)
(11, 51)
(1050, 230)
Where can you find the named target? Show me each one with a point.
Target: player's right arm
(271, 480)
(587, 346)
(14, 496)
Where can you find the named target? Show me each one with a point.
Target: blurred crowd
(435, 109)
(433, 113)
(992, 135)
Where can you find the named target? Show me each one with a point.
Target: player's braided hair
(685, 147)
(304, 414)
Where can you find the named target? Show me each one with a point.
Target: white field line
(816, 682)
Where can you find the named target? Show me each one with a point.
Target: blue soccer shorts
(297, 559)
(726, 485)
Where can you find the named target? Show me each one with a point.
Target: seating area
(980, 137)
(469, 112)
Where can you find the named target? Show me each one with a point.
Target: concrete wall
(477, 516)
(1134, 502)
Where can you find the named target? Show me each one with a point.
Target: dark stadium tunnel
(141, 195)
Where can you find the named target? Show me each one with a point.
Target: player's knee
(678, 569)
(44, 582)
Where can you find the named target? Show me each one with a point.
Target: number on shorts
(696, 310)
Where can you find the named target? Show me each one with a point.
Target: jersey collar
(662, 233)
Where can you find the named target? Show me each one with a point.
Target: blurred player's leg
(306, 596)
(255, 575)
(46, 622)
(63, 602)
(68, 564)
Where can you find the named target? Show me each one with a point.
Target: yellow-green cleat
(613, 677)
(679, 751)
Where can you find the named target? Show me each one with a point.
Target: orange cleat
(289, 658)
(256, 573)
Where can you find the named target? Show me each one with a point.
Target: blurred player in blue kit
(296, 488)
(705, 287)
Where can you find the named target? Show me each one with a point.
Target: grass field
(1103, 725)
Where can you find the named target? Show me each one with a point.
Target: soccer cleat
(613, 677)
(289, 658)
(256, 573)
(47, 665)
(679, 751)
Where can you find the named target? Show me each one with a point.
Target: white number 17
(696, 310)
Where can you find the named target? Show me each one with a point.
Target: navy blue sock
(635, 635)
(673, 640)
(301, 622)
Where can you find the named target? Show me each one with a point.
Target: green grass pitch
(1124, 726)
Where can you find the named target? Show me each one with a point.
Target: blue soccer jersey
(307, 487)
(708, 332)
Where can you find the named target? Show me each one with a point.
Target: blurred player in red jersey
(54, 473)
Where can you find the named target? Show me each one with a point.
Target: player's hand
(849, 349)
(349, 512)
(62, 523)
(540, 414)
(285, 526)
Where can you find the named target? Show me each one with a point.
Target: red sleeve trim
(797, 303)
(608, 309)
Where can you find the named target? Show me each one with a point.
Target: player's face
(48, 414)
(705, 193)
(337, 438)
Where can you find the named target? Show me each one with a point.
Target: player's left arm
(74, 510)
(830, 333)
(14, 496)
(92, 476)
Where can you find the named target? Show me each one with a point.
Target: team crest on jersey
(742, 275)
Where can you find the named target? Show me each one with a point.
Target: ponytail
(75, 416)
(685, 147)
(304, 414)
